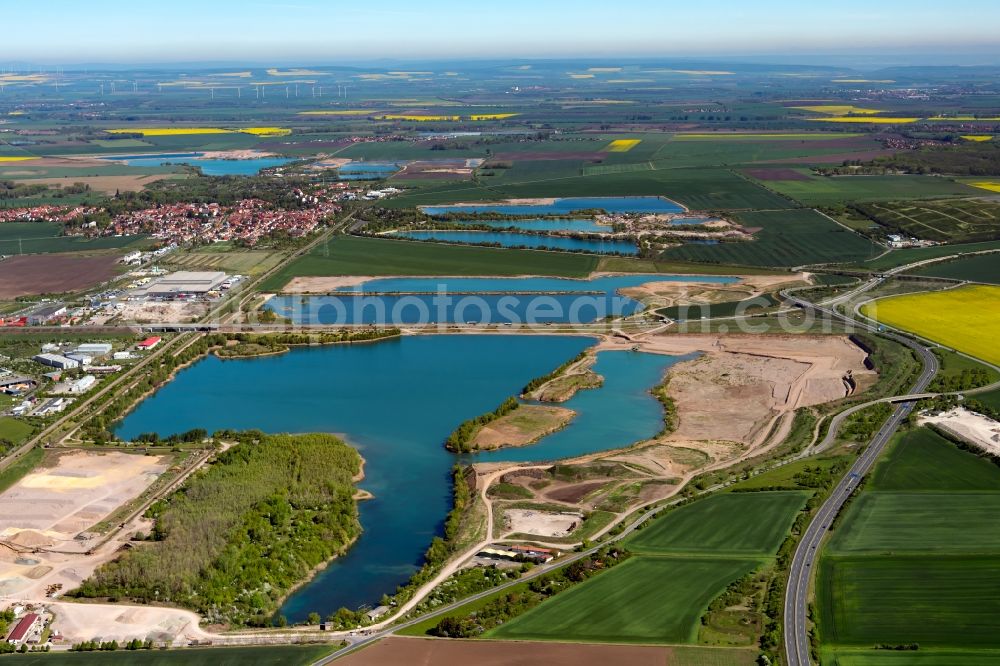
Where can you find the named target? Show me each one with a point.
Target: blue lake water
(397, 401)
(472, 299)
(513, 239)
(567, 205)
(209, 167)
(581, 225)
(616, 415)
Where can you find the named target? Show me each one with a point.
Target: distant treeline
(242, 532)
(964, 159)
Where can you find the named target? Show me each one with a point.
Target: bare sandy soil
(693, 292)
(236, 154)
(168, 311)
(322, 285)
(974, 428)
(106, 184)
(53, 504)
(542, 523)
(41, 516)
(84, 622)
(523, 426)
(506, 202)
(398, 651)
(330, 163)
(741, 385)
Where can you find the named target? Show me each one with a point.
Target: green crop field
(45, 238)
(894, 599)
(923, 657)
(744, 524)
(911, 255)
(991, 399)
(978, 268)
(681, 562)
(285, 655)
(644, 600)
(350, 255)
(14, 431)
(899, 522)
(944, 220)
(785, 239)
(745, 307)
(698, 189)
(823, 191)
(916, 558)
(925, 461)
(244, 262)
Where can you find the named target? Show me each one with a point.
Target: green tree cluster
(239, 534)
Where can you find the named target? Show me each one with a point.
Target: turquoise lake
(581, 225)
(513, 239)
(209, 167)
(481, 300)
(566, 206)
(397, 401)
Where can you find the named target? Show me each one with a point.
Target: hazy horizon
(309, 31)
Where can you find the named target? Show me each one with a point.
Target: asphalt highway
(796, 625)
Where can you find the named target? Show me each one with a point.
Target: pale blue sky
(318, 32)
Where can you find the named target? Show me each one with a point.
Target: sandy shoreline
(324, 284)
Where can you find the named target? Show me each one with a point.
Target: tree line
(239, 534)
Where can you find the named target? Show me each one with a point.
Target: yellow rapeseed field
(181, 131)
(966, 319)
(992, 186)
(493, 116)
(265, 131)
(977, 137)
(338, 112)
(622, 145)
(16, 159)
(838, 109)
(168, 131)
(733, 136)
(964, 118)
(874, 120)
(420, 118)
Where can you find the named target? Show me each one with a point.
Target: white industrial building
(185, 282)
(57, 361)
(94, 349)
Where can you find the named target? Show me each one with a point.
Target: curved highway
(796, 625)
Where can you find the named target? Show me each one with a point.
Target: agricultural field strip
(951, 560)
(796, 624)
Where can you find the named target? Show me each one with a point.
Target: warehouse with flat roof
(185, 282)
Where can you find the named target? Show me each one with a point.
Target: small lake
(480, 300)
(608, 417)
(581, 225)
(513, 239)
(566, 206)
(397, 401)
(209, 167)
(366, 171)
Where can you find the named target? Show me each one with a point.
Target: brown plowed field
(52, 274)
(398, 651)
